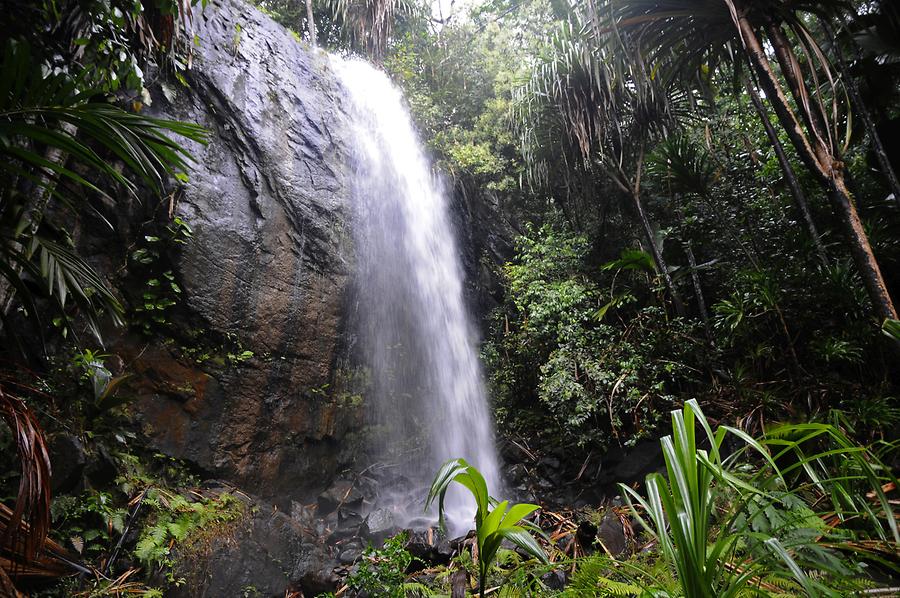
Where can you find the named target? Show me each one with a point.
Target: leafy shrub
(382, 571)
(556, 343)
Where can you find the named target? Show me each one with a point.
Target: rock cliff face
(268, 263)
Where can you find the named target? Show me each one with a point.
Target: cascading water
(426, 393)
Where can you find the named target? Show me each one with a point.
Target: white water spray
(427, 394)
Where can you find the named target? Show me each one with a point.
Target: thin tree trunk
(827, 168)
(635, 192)
(868, 122)
(657, 254)
(698, 290)
(311, 24)
(789, 175)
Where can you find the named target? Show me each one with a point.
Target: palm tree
(684, 39)
(609, 110)
(51, 133)
(368, 25)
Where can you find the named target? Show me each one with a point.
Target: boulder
(342, 493)
(266, 552)
(379, 526)
(68, 458)
(611, 534)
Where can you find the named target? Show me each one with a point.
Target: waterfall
(426, 398)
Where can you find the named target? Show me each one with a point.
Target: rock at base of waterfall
(380, 525)
(266, 550)
(429, 547)
(342, 493)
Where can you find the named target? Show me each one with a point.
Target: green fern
(594, 575)
(415, 589)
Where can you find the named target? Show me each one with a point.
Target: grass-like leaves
(722, 530)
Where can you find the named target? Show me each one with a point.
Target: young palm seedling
(492, 525)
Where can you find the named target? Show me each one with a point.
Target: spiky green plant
(769, 531)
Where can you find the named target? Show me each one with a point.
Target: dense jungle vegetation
(706, 208)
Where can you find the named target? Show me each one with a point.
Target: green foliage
(150, 263)
(179, 520)
(45, 116)
(601, 370)
(90, 522)
(494, 522)
(382, 571)
(597, 573)
(104, 385)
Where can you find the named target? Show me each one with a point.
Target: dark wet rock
(550, 464)
(611, 534)
(429, 547)
(555, 580)
(379, 526)
(350, 555)
(68, 458)
(101, 469)
(267, 550)
(348, 517)
(268, 264)
(341, 493)
(629, 465)
(513, 452)
(326, 526)
(304, 515)
(516, 473)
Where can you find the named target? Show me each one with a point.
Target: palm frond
(26, 527)
(56, 141)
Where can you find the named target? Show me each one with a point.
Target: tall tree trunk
(860, 248)
(810, 107)
(311, 24)
(789, 175)
(822, 163)
(863, 111)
